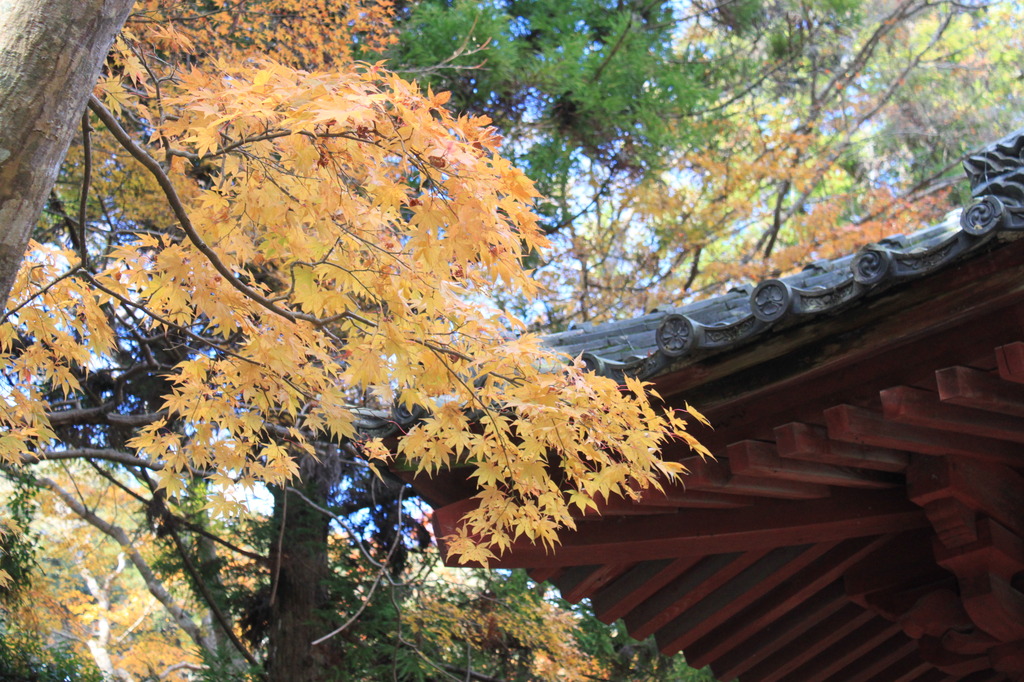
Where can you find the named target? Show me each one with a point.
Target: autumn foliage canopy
(319, 242)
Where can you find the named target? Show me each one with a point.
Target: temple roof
(654, 344)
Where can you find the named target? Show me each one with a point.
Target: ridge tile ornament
(722, 323)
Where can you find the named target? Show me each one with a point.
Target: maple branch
(107, 454)
(167, 323)
(200, 583)
(171, 194)
(86, 181)
(154, 584)
(39, 293)
(171, 516)
(355, 616)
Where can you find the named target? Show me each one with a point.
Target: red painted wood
(936, 614)
(686, 591)
(814, 641)
(981, 390)
(1009, 658)
(621, 506)
(716, 476)
(844, 653)
(637, 584)
(992, 489)
(780, 601)
(934, 675)
(908, 668)
(902, 560)
(1010, 360)
(957, 665)
(540, 575)
(997, 550)
(809, 443)
(579, 582)
(922, 408)
(679, 495)
(742, 591)
(768, 524)
(857, 425)
(994, 605)
(760, 459)
(869, 667)
(786, 628)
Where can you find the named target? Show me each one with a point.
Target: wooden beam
(540, 575)
(809, 443)
(829, 631)
(766, 525)
(933, 674)
(616, 505)
(637, 584)
(800, 587)
(788, 627)
(857, 425)
(980, 390)
(760, 459)
(680, 495)
(869, 667)
(845, 652)
(992, 489)
(716, 476)
(906, 669)
(746, 588)
(996, 550)
(995, 605)
(900, 561)
(582, 581)
(687, 590)
(1010, 360)
(922, 408)
(958, 665)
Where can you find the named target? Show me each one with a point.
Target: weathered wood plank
(809, 443)
(581, 581)
(829, 631)
(687, 590)
(743, 590)
(800, 587)
(857, 425)
(981, 390)
(760, 459)
(805, 616)
(637, 584)
(766, 525)
(923, 408)
(845, 652)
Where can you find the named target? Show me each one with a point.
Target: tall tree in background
(774, 133)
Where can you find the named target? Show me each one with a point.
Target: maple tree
(244, 257)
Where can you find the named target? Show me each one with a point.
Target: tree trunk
(51, 52)
(297, 615)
